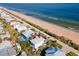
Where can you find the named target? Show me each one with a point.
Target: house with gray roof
(6, 49)
(53, 51)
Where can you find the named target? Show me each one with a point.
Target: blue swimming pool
(23, 37)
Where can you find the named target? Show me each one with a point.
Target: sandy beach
(60, 31)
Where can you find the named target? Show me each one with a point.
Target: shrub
(55, 44)
(25, 45)
(71, 54)
(0, 41)
(58, 45)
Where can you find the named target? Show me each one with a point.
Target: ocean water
(66, 15)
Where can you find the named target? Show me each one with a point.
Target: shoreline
(60, 31)
(65, 25)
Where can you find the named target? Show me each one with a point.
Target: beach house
(18, 26)
(27, 34)
(53, 51)
(6, 17)
(6, 49)
(14, 23)
(2, 14)
(37, 42)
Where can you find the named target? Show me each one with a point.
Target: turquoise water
(65, 15)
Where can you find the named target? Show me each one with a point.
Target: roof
(14, 23)
(28, 33)
(8, 19)
(20, 27)
(5, 44)
(53, 51)
(37, 40)
(6, 49)
(59, 53)
(9, 51)
(17, 25)
(4, 15)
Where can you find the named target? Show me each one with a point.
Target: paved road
(65, 48)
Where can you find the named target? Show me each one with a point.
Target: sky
(39, 1)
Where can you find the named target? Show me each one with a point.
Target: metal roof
(37, 40)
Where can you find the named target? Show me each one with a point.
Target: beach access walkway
(65, 47)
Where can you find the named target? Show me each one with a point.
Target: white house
(5, 35)
(37, 42)
(14, 23)
(27, 34)
(20, 27)
(3, 15)
(6, 17)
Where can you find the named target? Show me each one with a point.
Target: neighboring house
(6, 17)
(5, 35)
(26, 35)
(53, 51)
(20, 27)
(14, 23)
(37, 42)
(6, 49)
(3, 15)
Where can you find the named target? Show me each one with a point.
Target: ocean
(65, 15)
